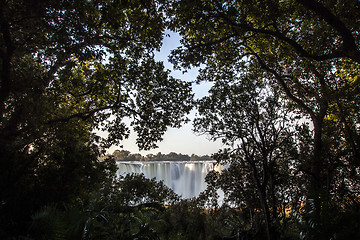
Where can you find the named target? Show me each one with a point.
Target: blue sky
(182, 140)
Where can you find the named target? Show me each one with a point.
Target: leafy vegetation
(284, 100)
(69, 69)
(271, 62)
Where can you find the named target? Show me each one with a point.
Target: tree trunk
(316, 162)
(262, 193)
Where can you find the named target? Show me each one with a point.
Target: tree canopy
(301, 48)
(69, 69)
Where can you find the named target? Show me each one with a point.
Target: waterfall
(185, 178)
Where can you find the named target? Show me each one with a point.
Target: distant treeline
(123, 155)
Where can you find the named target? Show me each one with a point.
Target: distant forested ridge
(124, 155)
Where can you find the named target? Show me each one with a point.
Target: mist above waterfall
(186, 178)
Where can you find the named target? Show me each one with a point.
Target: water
(186, 178)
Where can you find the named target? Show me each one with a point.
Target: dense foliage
(271, 62)
(69, 69)
(284, 101)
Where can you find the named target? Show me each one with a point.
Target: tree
(250, 117)
(69, 68)
(126, 208)
(302, 46)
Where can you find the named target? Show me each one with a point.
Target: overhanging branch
(349, 46)
(283, 84)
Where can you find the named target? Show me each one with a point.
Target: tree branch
(87, 114)
(283, 84)
(6, 55)
(208, 44)
(349, 46)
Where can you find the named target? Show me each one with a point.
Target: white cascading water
(185, 178)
